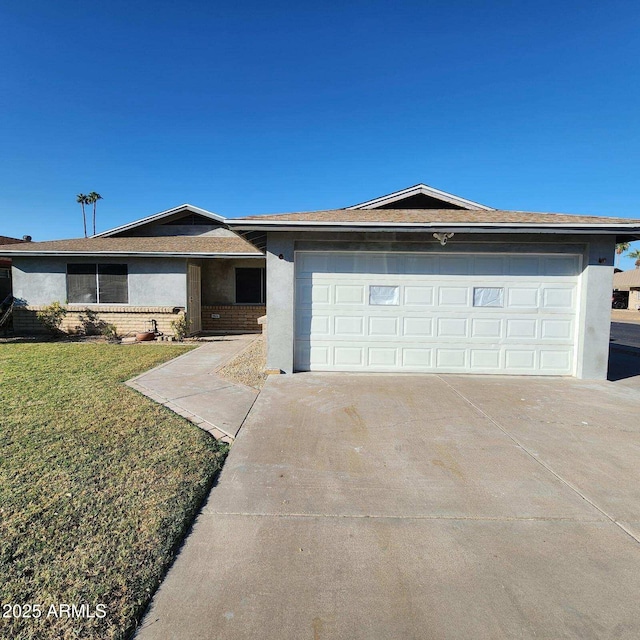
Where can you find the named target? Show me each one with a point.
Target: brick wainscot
(234, 318)
(128, 320)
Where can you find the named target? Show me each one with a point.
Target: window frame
(263, 285)
(96, 266)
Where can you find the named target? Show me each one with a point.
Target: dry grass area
(248, 366)
(98, 485)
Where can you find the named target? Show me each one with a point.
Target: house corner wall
(280, 302)
(594, 323)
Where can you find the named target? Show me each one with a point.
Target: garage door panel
(554, 360)
(451, 328)
(485, 358)
(451, 358)
(523, 360)
(556, 329)
(522, 328)
(349, 294)
(453, 296)
(348, 326)
(344, 355)
(558, 298)
(417, 328)
(420, 296)
(313, 324)
(383, 356)
(414, 312)
(486, 327)
(522, 297)
(386, 326)
(417, 357)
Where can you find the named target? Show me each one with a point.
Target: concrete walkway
(365, 507)
(189, 386)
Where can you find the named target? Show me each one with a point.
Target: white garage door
(475, 313)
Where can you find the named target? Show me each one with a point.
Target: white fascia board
(130, 254)
(159, 216)
(420, 189)
(297, 225)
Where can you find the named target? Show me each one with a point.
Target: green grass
(97, 485)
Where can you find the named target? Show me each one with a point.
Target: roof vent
(26, 238)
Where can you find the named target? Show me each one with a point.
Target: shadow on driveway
(624, 363)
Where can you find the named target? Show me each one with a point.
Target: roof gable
(420, 196)
(170, 216)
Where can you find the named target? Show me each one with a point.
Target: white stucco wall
(152, 281)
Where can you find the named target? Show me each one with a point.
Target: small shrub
(110, 332)
(180, 327)
(92, 324)
(52, 316)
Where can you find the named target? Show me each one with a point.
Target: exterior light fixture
(443, 237)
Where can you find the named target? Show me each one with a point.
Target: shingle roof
(430, 216)
(170, 245)
(625, 279)
(8, 240)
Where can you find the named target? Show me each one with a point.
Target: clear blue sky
(255, 107)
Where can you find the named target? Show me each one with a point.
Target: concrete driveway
(373, 506)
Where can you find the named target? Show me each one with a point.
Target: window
(250, 286)
(4, 273)
(384, 295)
(488, 297)
(97, 283)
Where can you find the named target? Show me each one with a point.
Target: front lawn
(97, 486)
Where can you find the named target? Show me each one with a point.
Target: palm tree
(636, 255)
(83, 199)
(621, 247)
(93, 198)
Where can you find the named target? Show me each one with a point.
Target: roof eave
(295, 225)
(159, 216)
(131, 254)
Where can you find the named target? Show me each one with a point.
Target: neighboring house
(416, 281)
(5, 268)
(423, 281)
(629, 281)
(145, 273)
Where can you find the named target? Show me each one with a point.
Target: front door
(194, 314)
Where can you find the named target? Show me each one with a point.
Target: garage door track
(374, 506)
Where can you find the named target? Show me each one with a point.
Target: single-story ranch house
(629, 281)
(416, 281)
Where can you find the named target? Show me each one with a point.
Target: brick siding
(128, 320)
(233, 317)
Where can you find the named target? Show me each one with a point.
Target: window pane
(384, 295)
(249, 289)
(112, 283)
(81, 283)
(488, 297)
